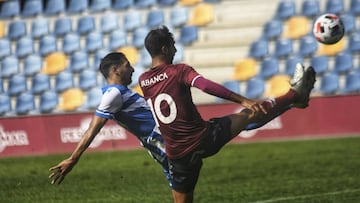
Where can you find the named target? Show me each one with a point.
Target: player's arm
(59, 171)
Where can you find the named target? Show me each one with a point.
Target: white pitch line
(306, 196)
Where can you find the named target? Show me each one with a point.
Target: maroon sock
(279, 103)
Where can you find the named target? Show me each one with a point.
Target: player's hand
(59, 171)
(255, 107)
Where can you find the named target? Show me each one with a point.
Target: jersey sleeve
(111, 102)
(188, 74)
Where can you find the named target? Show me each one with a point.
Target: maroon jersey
(167, 90)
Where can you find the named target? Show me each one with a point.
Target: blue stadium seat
(329, 83)
(352, 82)
(354, 42)
(145, 58)
(77, 6)
(122, 4)
(355, 7)
(17, 29)
(138, 37)
(5, 104)
(320, 63)
(5, 47)
(24, 46)
(40, 83)
(1, 86)
(85, 24)
(17, 85)
(94, 41)
(118, 38)
(48, 101)
(179, 16)
(283, 47)
(290, 64)
(93, 100)
(349, 22)
(62, 26)
(139, 69)
(99, 54)
(259, 48)
(285, 9)
(100, 5)
(9, 66)
(87, 79)
(55, 7)
(10, 9)
(232, 85)
(272, 29)
(310, 8)
(48, 44)
(109, 22)
(179, 55)
(269, 67)
(308, 46)
(32, 65)
(144, 3)
(32, 8)
(343, 62)
(188, 34)
(166, 2)
(25, 104)
(63, 81)
(79, 61)
(132, 20)
(71, 43)
(155, 18)
(334, 6)
(39, 28)
(255, 88)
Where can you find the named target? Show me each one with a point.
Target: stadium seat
(93, 41)
(201, 15)
(269, 67)
(285, 9)
(308, 46)
(1, 86)
(10, 9)
(138, 70)
(100, 5)
(329, 83)
(145, 58)
(109, 22)
(283, 47)
(131, 53)
(85, 24)
(39, 28)
(296, 27)
(118, 38)
(245, 69)
(24, 47)
(277, 86)
(354, 43)
(352, 82)
(54, 7)
(71, 100)
(77, 6)
(355, 7)
(48, 101)
(166, 2)
(349, 22)
(189, 2)
(17, 85)
(9, 66)
(63, 25)
(63, 81)
(259, 49)
(188, 34)
(343, 62)
(272, 29)
(138, 36)
(87, 79)
(320, 63)
(17, 29)
(155, 18)
(5, 47)
(179, 55)
(79, 61)
(255, 88)
(132, 20)
(32, 65)
(334, 6)
(25, 104)
(40, 83)
(2, 29)
(32, 8)
(71, 43)
(122, 4)
(55, 63)
(290, 64)
(233, 85)
(48, 44)
(179, 16)
(144, 3)
(99, 54)
(5, 104)
(333, 49)
(310, 8)
(93, 100)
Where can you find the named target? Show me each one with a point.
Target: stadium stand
(93, 98)
(310, 8)
(188, 34)
(277, 86)
(71, 99)
(71, 43)
(179, 16)
(63, 25)
(39, 28)
(155, 18)
(285, 9)
(269, 67)
(48, 101)
(87, 79)
(77, 6)
(329, 83)
(17, 85)
(93, 41)
(9, 66)
(32, 65)
(122, 4)
(25, 104)
(5, 104)
(24, 47)
(85, 24)
(132, 20)
(2, 29)
(131, 53)
(32, 8)
(5, 47)
(54, 7)
(109, 22)
(296, 27)
(259, 49)
(55, 63)
(47, 45)
(63, 81)
(100, 5)
(201, 15)
(352, 82)
(283, 47)
(17, 29)
(40, 83)
(144, 3)
(10, 9)
(320, 64)
(354, 43)
(79, 61)
(335, 6)
(291, 62)
(355, 7)
(245, 69)
(255, 88)
(343, 62)
(308, 46)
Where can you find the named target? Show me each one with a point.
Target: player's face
(125, 73)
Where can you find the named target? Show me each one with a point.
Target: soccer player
(188, 137)
(125, 107)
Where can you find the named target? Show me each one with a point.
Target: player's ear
(164, 50)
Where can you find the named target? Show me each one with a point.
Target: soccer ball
(328, 28)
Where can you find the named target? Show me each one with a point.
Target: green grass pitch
(323, 170)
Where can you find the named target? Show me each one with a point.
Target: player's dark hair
(157, 38)
(111, 59)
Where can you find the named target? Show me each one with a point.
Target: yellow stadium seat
(2, 29)
(55, 63)
(277, 85)
(201, 15)
(245, 69)
(131, 53)
(138, 90)
(297, 27)
(71, 99)
(189, 2)
(333, 49)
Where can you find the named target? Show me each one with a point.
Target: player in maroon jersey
(188, 137)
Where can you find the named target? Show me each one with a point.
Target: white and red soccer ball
(328, 28)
